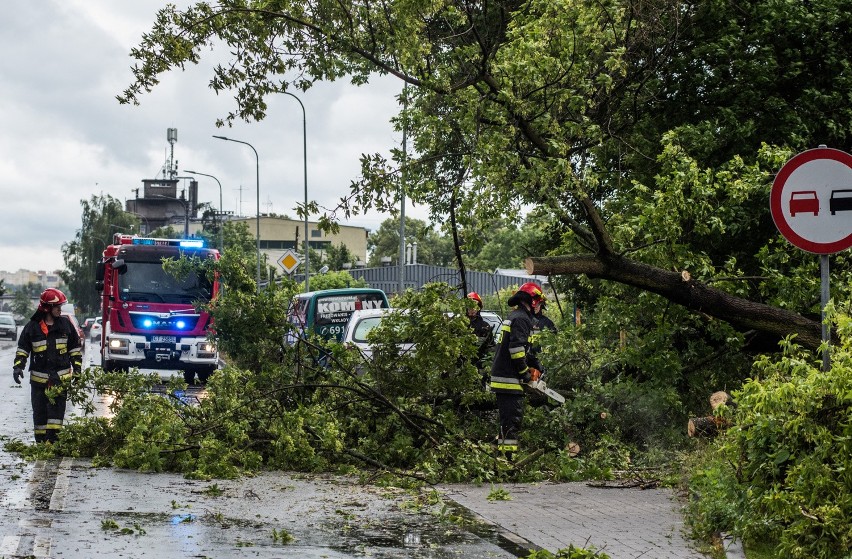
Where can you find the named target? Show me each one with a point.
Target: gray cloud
(64, 137)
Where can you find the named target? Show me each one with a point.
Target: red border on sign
(775, 201)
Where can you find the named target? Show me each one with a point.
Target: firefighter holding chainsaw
(515, 364)
(52, 341)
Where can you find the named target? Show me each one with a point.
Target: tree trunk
(679, 288)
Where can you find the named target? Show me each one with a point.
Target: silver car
(362, 321)
(8, 328)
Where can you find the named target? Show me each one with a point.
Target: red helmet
(51, 297)
(475, 296)
(531, 289)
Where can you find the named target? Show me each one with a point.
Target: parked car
(79, 329)
(361, 322)
(8, 328)
(87, 324)
(96, 329)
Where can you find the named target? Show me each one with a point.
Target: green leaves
(785, 463)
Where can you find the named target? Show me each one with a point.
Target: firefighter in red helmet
(483, 333)
(52, 341)
(515, 364)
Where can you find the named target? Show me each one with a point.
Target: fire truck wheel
(109, 365)
(189, 377)
(204, 374)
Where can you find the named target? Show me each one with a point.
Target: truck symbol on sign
(804, 201)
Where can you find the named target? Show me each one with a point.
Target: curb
(732, 547)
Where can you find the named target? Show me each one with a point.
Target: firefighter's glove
(18, 374)
(535, 375)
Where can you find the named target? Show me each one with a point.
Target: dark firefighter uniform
(510, 369)
(56, 356)
(484, 336)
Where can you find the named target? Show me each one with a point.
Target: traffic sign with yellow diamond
(289, 261)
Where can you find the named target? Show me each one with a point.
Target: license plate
(163, 339)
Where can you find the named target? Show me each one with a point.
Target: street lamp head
(221, 138)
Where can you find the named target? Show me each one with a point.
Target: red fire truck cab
(150, 318)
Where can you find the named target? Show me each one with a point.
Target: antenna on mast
(171, 136)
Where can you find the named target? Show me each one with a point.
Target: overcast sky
(64, 137)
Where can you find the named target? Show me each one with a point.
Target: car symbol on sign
(841, 201)
(804, 201)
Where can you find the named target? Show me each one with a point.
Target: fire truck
(150, 318)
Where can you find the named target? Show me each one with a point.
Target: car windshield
(7, 320)
(147, 282)
(363, 328)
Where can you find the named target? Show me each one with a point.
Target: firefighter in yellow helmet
(515, 364)
(52, 341)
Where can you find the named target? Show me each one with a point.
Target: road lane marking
(41, 546)
(9, 546)
(60, 488)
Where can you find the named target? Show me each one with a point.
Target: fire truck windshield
(147, 282)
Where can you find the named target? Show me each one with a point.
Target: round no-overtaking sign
(811, 200)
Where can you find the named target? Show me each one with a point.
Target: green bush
(783, 471)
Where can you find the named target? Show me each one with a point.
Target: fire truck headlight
(206, 349)
(119, 346)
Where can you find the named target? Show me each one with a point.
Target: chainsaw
(537, 390)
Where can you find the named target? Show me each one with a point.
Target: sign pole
(824, 296)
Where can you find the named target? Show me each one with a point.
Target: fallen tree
(680, 288)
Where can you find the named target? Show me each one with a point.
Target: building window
(316, 233)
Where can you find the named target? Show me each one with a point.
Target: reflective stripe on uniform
(39, 346)
(507, 445)
(40, 429)
(504, 386)
(61, 343)
(40, 378)
(517, 352)
(21, 358)
(65, 373)
(53, 424)
(506, 383)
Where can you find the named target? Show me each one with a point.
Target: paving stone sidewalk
(625, 523)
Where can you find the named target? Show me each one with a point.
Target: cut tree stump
(705, 426)
(719, 398)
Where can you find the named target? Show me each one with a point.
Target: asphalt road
(65, 508)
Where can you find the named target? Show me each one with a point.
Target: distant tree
(22, 304)
(335, 280)
(506, 245)
(32, 289)
(2, 287)
(166, 232)
(337, 256)
(432, 248)
(103, 216)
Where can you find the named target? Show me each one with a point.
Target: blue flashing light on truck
(149, 317)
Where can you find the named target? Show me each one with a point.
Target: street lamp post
(221, 242)
(257, 160)
(305, 168)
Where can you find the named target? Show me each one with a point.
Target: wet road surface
(65, 508)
